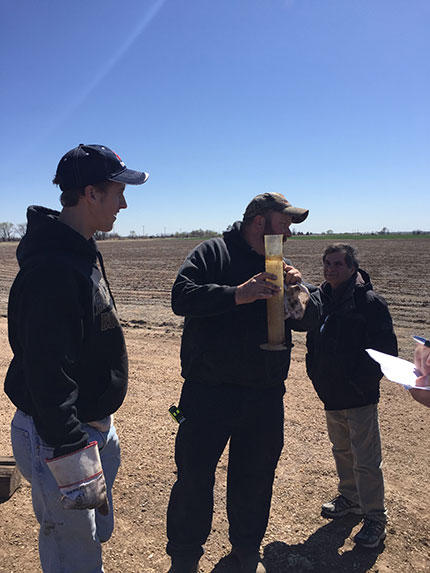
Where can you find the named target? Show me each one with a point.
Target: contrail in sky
(104, 70)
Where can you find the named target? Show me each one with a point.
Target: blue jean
(69, 539)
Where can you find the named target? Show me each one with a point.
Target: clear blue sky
(326, 101)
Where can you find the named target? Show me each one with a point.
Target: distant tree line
(195, 234)
(11, 232)
(300, 233)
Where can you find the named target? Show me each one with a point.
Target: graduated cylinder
(275, 304)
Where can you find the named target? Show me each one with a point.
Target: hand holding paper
(397, 369)
(422, 362)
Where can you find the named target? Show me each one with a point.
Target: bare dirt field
(298, 540)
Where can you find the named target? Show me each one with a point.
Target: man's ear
(90, 193)
(259, 221)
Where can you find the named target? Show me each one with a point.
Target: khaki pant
(354, 434)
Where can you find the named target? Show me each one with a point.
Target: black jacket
(342, 373)
(70, 361)
(221, 341)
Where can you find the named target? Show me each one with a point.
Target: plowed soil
(141, 273)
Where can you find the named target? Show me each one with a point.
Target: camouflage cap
(266, 202)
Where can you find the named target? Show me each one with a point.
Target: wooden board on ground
(10, 478)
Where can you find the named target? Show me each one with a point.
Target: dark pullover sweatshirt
(221, 341)
(70, 361)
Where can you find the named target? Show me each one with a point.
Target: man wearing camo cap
(233, 389)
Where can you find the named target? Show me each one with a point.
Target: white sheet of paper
(397, 369)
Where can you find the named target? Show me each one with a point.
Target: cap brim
(298, 215)
(130, 177)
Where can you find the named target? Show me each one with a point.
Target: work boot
(371, 534)
(184, 566)
(339, 506)
(249, 560)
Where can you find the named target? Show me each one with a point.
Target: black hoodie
(221, 340)
(70, 360)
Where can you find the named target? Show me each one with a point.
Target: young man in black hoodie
(69, 372)
(353, 318)
(233, 389)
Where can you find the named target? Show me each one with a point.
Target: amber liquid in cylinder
(275, 304)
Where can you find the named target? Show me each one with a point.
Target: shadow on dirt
(319, 553)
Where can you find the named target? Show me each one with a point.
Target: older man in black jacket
(346, 379)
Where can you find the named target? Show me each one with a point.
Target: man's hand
(422, 363)
(292, 275)
(421, 396)
(257, 287)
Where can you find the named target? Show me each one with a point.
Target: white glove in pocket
(80, 478)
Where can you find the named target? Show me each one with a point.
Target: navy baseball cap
(90, 164)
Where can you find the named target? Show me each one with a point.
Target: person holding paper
(422, 363)
(353, 318)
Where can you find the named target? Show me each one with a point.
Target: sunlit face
(108, 204)
(278, 224)
(336, 271)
